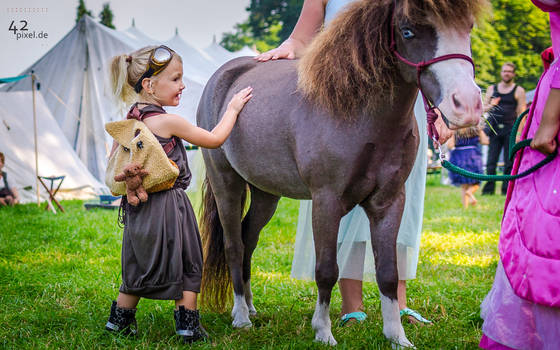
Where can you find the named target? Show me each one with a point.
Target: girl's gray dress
(161, 251)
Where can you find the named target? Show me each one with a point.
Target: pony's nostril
(478, 106)
(456, 101)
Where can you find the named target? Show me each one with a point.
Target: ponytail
(121, 89)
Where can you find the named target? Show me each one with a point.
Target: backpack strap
(168, 147)
(142, 113)
(150, 111)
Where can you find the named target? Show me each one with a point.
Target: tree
(265, 14)
(106, 16)
(516, 32)
(244, 37)
(270, 22)
(81, 10)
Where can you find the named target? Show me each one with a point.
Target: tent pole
(35, 138)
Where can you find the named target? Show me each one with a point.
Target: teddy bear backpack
(137, 144)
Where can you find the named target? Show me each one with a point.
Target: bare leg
(127, 301)
(464, 196)
(188, 300)
(470, 192)
(401, 294)
(351, 292)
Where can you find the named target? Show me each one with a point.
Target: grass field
(59, 273)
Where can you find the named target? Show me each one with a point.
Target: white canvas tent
(56, 156)
(197, 64)
(133, 34)
(74, 84)
(245, 51)
(220, 55)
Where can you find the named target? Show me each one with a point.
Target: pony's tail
(216, 279)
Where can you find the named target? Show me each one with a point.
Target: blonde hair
(125, 70)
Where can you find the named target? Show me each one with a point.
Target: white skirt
(355, 255)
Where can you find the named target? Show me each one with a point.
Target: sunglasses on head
(159, 59)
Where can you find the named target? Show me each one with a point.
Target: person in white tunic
(355, 256)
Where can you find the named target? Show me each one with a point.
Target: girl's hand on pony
(239, 99)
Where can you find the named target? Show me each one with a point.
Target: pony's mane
(349, 68)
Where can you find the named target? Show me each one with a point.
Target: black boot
(121, 319)
(187, 325)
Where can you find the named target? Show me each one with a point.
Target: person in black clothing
(8, 195)
(503, 102)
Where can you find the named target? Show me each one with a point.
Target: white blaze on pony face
(461, 99)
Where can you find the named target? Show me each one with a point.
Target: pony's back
(216, 90)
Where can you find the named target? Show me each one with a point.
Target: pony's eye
(407, 33)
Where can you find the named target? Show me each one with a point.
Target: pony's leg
(229, 189)
(326, 215)
(385, 220)
(263, 206)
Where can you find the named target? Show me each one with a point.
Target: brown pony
(336, 127)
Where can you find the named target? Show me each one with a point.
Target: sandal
(415, 314)
(358, 316)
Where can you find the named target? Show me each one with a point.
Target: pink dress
(522, 311)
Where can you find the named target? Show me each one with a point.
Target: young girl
(161, 252)
(467, 155)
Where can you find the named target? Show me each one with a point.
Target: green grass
(59, 273)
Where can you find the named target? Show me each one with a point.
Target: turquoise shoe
(415, 314)
(358, 316)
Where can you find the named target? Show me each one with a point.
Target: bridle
(431, 114)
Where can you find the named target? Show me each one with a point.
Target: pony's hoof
(242, 324)
(325, 338)
(252, 310)
(402, 344)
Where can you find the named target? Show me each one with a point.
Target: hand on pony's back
(287, 50)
